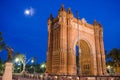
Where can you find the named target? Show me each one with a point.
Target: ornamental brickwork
(65, 32)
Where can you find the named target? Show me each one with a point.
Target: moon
(29, 12)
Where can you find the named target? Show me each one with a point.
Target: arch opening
(83, 58)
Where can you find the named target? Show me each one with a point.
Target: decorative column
(102, 52)
(63, 40)
(50, 45)
(59, 53)
(71, 57)
(97, 45)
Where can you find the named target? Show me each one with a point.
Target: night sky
(28, 33)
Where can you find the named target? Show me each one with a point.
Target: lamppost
(110, 70)
(33, 61)
(43, 67)
(18, 63)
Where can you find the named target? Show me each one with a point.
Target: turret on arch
(64, 33)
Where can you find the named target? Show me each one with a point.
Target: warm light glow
(70, 77)
(56, 77)
(77, 78)
(108, 66)
(41, 76)
(17, 59)
(43, 65)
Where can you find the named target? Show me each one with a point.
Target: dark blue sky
(28, 34)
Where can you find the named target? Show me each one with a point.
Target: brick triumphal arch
(65, 32)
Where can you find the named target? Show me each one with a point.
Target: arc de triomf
(65, 32)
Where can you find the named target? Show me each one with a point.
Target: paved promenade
(64, 78)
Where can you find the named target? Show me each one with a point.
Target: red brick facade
(64, 33)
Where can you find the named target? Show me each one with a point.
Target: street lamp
(109, 69)
(32, 61)
(17, 60)
(43, 66)
(18, 63)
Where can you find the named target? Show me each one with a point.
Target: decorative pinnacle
(51, 17)
(62, 8)
(77, 15)
(97, 23)
(69, 10)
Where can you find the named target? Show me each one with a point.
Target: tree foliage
(20, 56)
(114, 57)
(2, 43)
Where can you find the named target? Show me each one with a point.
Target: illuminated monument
(65, 32)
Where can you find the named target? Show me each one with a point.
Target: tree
(2, 43)
(114, 57)
(1, 66)
(21, 58)
(0, 63)
(4, 46)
